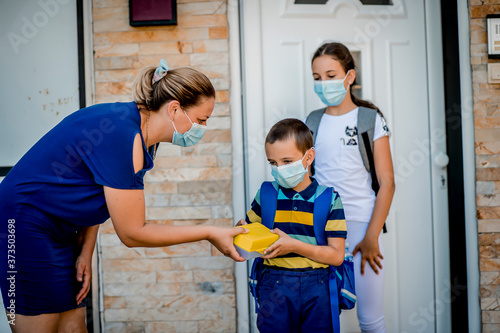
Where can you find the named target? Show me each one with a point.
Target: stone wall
(487, 139)
(184, 288)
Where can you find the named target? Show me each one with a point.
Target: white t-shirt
(339, 163)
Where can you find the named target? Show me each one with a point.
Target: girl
(340, 164)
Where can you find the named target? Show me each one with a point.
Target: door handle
(441, 160)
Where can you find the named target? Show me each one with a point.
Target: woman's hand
(284, 245)
(241, 222)
(83, 274)
(222, 238)
(369, 252)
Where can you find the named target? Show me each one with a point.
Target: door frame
(437, 127)
(239, 181)
(95, 301)
(469, 167)
(435, 74)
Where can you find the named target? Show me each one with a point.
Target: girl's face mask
(331, 92)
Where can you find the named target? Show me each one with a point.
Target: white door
(399, 52)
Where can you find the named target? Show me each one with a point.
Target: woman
(339, 163)
(86, 169)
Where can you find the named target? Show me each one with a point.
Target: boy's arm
(331, 254)
(254, 215)
(335, 231)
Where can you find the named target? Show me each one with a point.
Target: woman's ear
(173, 108)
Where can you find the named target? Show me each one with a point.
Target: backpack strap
(366, 124)
(321, 210)
(369, 154)
(312, 121)
(268, 203)
(366, 130)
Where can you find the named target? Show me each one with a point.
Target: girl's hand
(369, 252)
(284, 245)
(222, 238)
(241, 222)
(83, 274)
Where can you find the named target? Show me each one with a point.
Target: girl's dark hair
(341, 53)
(291, 128)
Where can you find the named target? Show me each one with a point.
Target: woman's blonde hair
(186, 85)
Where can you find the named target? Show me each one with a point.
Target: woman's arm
(87, 239)
(128, 213)
(333, 254)
(127, 210)
(385, 175)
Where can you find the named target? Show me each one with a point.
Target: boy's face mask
(289, 175)
(191, 136)
(331, 92)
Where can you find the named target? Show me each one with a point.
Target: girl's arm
(332, 254)
(385, 175)
(87, 239)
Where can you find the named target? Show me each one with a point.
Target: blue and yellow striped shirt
(294, 216)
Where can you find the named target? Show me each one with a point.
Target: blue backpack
(341, 282)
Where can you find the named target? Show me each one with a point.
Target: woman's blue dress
(55, 190)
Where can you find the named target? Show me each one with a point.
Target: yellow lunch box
(252, 244)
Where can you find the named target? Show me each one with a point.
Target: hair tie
(161, 71)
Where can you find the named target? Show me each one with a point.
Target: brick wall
(184, 288)
(487, 132)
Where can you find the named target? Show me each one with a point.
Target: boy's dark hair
(291, 128)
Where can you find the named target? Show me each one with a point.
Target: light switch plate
(494, 72)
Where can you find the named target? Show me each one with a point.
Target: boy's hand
(241, 222)
(284, 245)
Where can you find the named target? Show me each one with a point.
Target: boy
(294, 293)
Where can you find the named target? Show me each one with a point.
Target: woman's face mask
(289, 175)
(331, 92)
(191, 136)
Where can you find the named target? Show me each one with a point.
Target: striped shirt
(294, 216)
